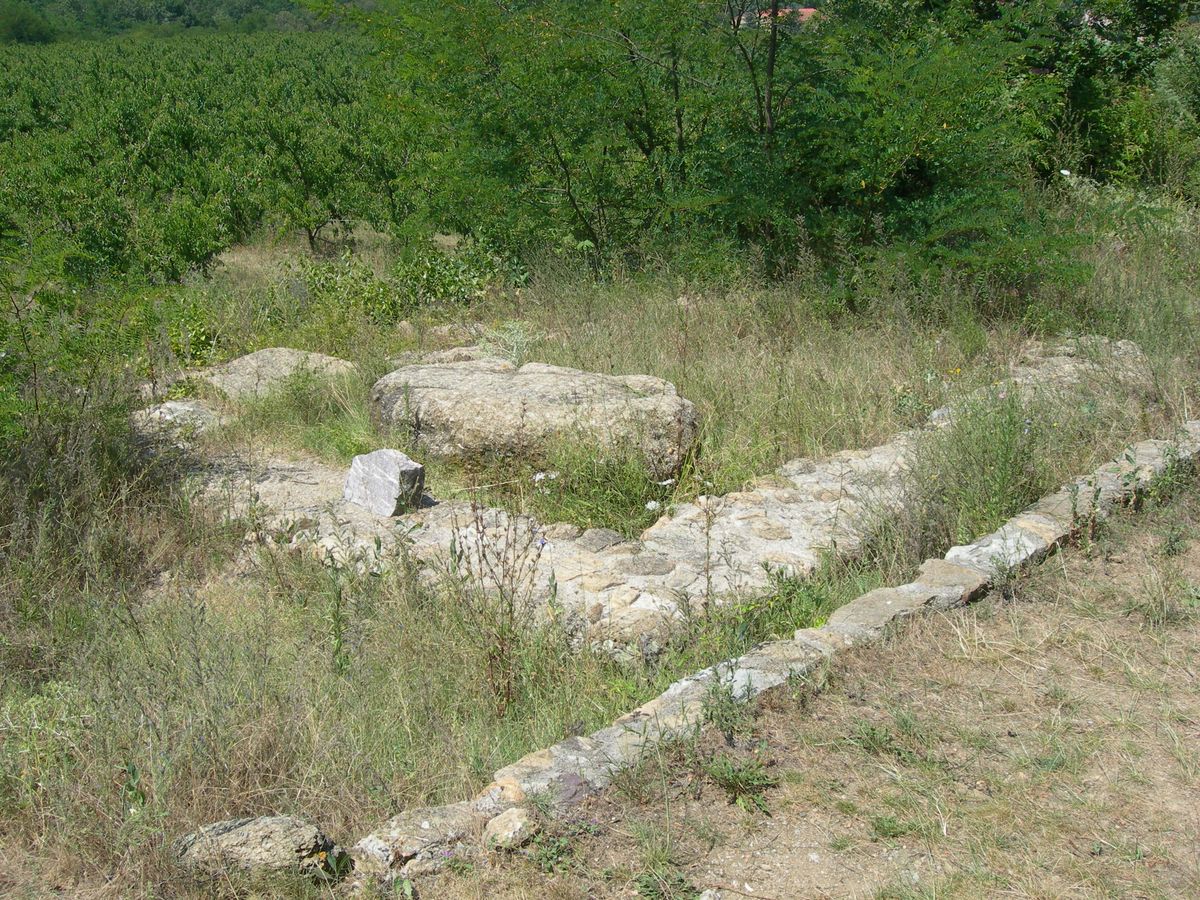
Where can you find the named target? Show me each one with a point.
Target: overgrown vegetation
(818, 231)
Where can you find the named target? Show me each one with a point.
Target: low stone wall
(420, 841)
(626, 592)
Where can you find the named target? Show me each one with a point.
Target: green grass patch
(327, 418)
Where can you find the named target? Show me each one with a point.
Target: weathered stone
(419, 839)
(561, 531)
(648, 564)
(178, 420)
(1050, 529)
(597, 539)
(823, 640)
(453, 355)
(872, 612)
(259, 373)
(386, 482)
(266, 843)
(770, 531)
(1063, 506)
(1002, 550)
(1085, 358)
(454, 332)
(509, 830)
(770, 665)
(490, 406)
(950, 585)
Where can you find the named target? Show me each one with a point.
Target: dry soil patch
(1044, 742)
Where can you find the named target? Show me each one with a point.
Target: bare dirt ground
(1044, 742)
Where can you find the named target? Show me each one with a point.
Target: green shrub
(431, 276)
(348, 283)
(21, 23)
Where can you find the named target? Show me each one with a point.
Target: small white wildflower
(653, 506)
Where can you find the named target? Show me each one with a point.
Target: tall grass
(1000, 453)
(155, 676)
(773, 375)
(135, 706)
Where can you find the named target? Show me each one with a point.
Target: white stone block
(386, 482)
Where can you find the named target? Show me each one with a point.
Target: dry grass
(773, 378)
(1044, 746)
(286, 687)
(174, 697)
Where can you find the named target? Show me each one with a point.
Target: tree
(20, 23)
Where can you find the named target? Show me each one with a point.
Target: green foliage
(576, 483)
(598, 132)
(890, 827)
(432, 276)
(983, 467)
(428, 278)
(727, 713)
(325, 417)
(150, 157)
(616, 132)
(39, 730)
(39, 21)
(665, 883)
(21, 23)
(597, 489)
(349, 283)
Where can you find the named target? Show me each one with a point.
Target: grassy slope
(1041, 743)
(161, 679)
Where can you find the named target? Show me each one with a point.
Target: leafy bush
(430, 277)
(350, 284)
(433, 276)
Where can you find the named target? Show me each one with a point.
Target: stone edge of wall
(421, 841)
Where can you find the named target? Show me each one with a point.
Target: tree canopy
(40, 21)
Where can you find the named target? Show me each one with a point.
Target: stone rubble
(511, 829)
(178, 421)
(564, 774)
(623, 590)
(259, 373)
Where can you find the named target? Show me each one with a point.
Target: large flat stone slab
(259, 373)
(489, 406)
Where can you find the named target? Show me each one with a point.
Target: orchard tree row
(618, 130)
(149, 157)
(42, 21)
